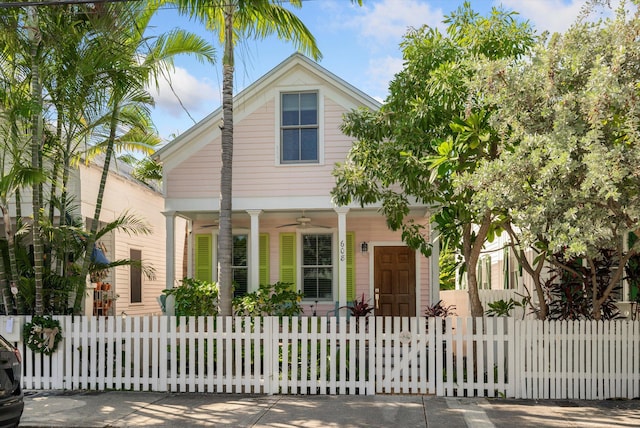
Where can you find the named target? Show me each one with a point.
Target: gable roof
(181, 143)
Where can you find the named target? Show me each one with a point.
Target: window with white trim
(317, 266)
(299, 127)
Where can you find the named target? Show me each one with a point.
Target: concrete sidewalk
(149, 409)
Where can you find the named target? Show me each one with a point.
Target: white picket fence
(316, 355)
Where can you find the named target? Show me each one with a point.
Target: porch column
(190, 261)
(254, 251)
(170, 268)
(434, 266)
(342, 255)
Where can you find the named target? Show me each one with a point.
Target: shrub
(360, 308)
(501, 308)
(570, 294)
(195, 297)
(269, 299)
(439, 310)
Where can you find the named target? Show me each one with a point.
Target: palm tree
(91, 69)
(233, 20)
(36, 138)
(131, 61)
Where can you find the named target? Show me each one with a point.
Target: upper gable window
(299, 127)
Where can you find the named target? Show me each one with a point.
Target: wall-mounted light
(364, 247)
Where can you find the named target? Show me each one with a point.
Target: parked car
(11, 395)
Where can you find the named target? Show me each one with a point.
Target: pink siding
(255, 171)
(197, 176)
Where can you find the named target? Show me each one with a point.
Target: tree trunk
(36, 138)
(91, 240)
(7, 275)
(543, 311)
(225, 237)
(613, 282)
(471, 252)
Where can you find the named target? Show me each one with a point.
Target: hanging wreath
(42, 334)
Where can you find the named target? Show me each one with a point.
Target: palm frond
(128, 223)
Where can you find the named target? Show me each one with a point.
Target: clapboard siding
(255, 156)
(124, 195)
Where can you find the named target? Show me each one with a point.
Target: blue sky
(358, 44)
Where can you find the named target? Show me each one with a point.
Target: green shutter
(505, 268)
(487, 262)
(263, 248)
(288, 258)
(351, 266)
(203, 257)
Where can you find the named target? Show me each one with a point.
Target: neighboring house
(130, 291)
(135, 293)
(287, 140)
(500, 277)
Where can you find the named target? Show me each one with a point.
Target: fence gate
(404, 355)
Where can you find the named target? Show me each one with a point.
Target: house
(501, 277)
(128, 291)
(286, 228)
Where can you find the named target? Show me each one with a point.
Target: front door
(395, 281)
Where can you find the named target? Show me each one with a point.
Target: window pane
(290, 145)
(324, 250)
(239, 250)
(239, 270)
(317, 283)
(309, 109)
(309, 252)
(290, 110)
(135, 278)
(309, 144)
(309, 283)
(325, 283)
(299, 124)
(240, 281)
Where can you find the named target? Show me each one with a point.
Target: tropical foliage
(569, 185)
(195, 297)
(433, 127)
(269, 299)
(73, 88)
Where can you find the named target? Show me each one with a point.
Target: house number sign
(343, 251)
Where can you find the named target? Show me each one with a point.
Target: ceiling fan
(303, 222)
(207, 226)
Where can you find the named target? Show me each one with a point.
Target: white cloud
(379, 73)
(385, 22)
(549, 15)
(196, 95)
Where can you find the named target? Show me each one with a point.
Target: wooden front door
(395, 281)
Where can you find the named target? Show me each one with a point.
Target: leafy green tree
(432, 128)
(139, 60)
(570, 185)
(234, 20)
